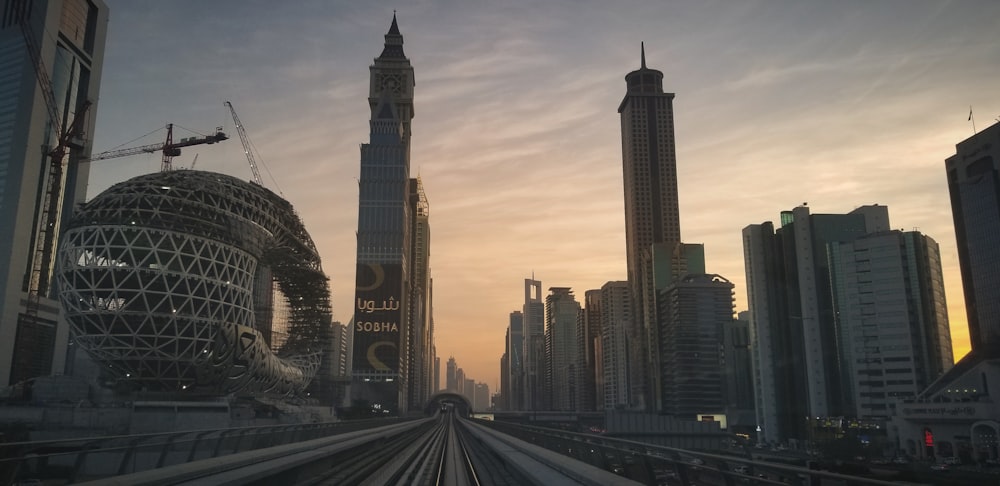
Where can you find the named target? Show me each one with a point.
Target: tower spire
(642, 48)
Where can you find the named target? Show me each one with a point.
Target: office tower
(588, 333)
(460, 381)
(469, 389)
(533, 319)
(481, 397)
(738, 372)
(420, 337)
(892, 319)
(561, 314)
(451, 377)
(974, 185)
(651, 205)
(504, 392)
(437, 372)
(664, 265)
(382, 346)
(67, 37)
(957, 414)
(616, 317)
(792, 315)
(515, 363)
(693, 312)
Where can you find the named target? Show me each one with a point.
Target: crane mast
(246, 145)
(67, 139)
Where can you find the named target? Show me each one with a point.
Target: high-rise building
(738, 374)
(67, 39)
(692, 314)
(533, 315)
(481, 397)
(437, 372)
(892, 318)
(562, 312)
(503, 393)
(382, 344)
(956, 415)
(791, 315)
(649, 166)
(616, 316)
(451, 376)
(974, 186)
(588, 334)
(421, 332)
(515, 362)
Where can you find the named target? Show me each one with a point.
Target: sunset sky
(516, 134)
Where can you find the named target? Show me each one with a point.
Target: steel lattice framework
(157, 277)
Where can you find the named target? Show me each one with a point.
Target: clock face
(391, 83)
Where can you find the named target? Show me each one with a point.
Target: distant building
(451, 375)
(437, 373)
(649, 166)
(421, 329)
(481, 398)
(738, 374)
(68, 38)
(616, 317)
(514, 393)
(561, 314)
(588, 335)
(534, 346)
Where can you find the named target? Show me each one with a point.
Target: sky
(516, 134)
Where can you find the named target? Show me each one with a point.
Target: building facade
(649, 166)
(974, 185)
(616, 317)
(67, 37)
(588, 335)
(421, 329)
(514, 394)
(692, 314)
(895, 339)
(533, 315)
(382, 334)
(561, 314)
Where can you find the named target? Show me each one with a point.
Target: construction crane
(169, 148)
(246, 144)
(68, 138)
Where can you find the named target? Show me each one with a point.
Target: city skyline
(517, 137)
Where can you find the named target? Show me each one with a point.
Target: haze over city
(516, 135)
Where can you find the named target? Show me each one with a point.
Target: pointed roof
(393, 42)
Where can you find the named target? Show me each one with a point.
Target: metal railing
(90, 458)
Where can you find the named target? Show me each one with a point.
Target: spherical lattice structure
(165, 280)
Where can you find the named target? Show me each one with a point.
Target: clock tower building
(381, 363)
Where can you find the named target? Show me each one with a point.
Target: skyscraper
(561, 314)
(67, 37)
(974, 186)
(616, 316)
(515, 362)
(451, 375)
(382, 344)
(649, 166)
(533, 314)
(421, 333)
(588, 334)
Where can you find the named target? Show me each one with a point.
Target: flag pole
(973, 120)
